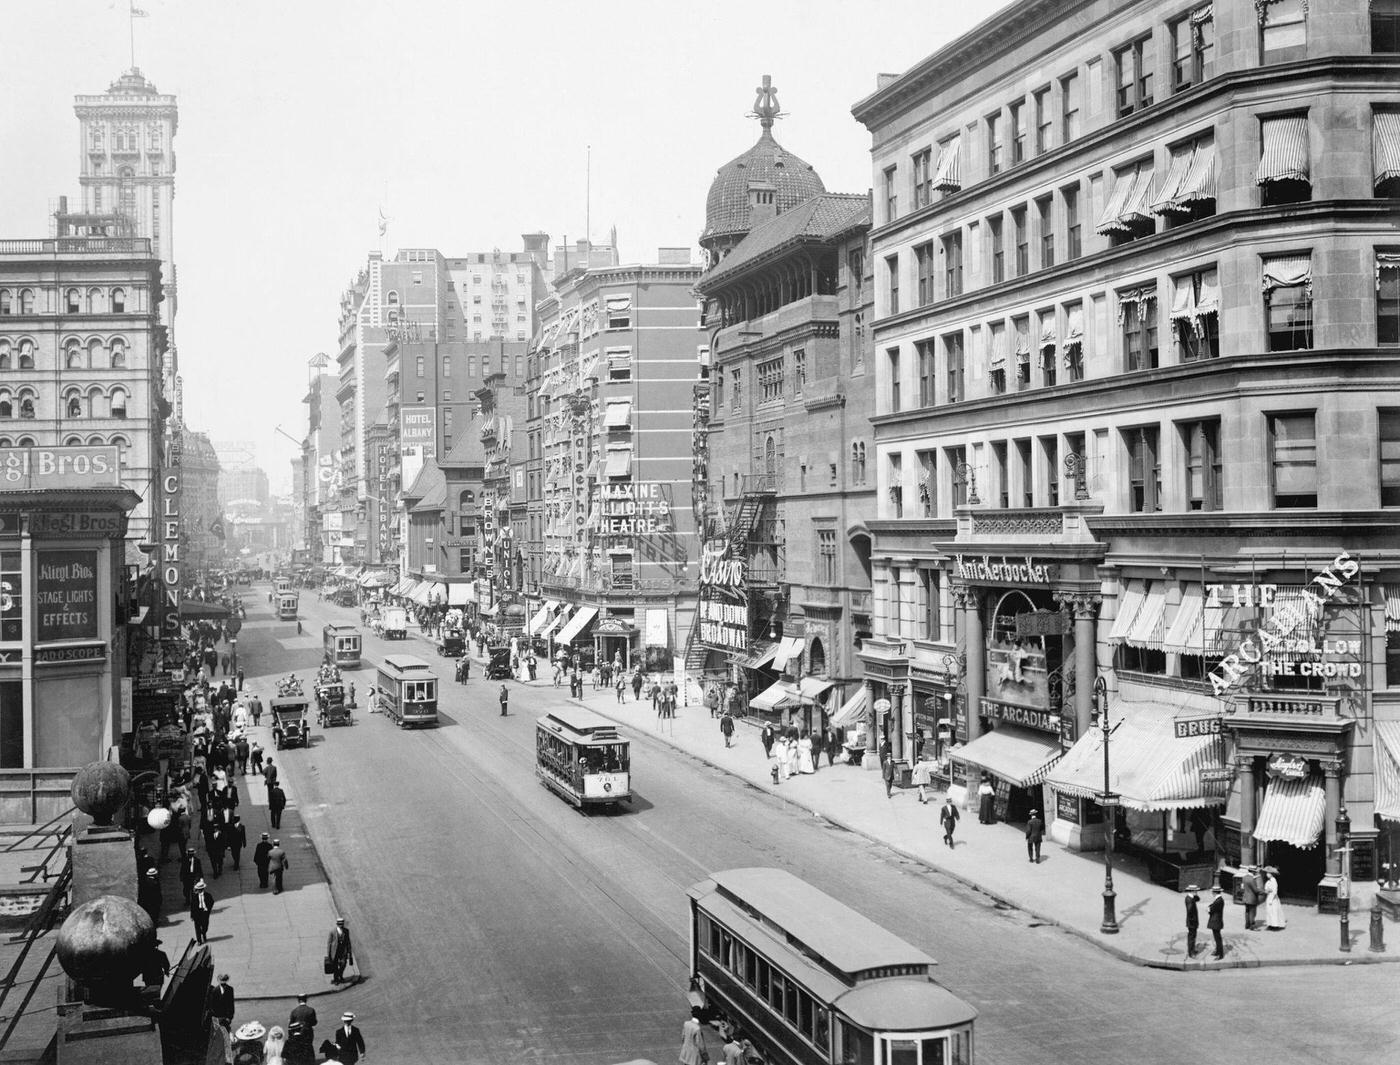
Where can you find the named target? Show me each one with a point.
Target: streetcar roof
(584, 723)
(845, 940)
(908, 1005)
(404, 664)
(342, 630)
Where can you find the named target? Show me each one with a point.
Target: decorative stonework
(1083, 605)
(1037, 525)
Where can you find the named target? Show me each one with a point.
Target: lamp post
(1344, 880)
(1108, 801)
(967, 474)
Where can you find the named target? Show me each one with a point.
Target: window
(1071, 102)
(72, 356)
(799, 372)
(770, 381)
(1137, 311)
(1195, 315)
(923, 353)
(118, 403)
(75, 407)
(5, 306)
(26, 355)
(520, 366)
(1021, 240)
(1385, 152)
(1283, 30)
(923, 268)
(1288, 303)
(118, 301)
(928, 483)
(928, 592)
(1045, 220)
(1021, 326)
(996, 378)
(1201, 441)
(1018, 131)
(891, 194)
(994, 146)
(953, 360)
(1187, 192)
(736, 390)
(952, 265)
(855, 274)
(719, 388)
(471, 365)
(999, 474)
(1025, 478)
(1388, 298)
(619, 312)
(892, 355)
(1144, 470)
(959, 470)
(1048, 346)
(1074, 246)
(72, 301)
(26, 301)
(922, 178)
(896, 484)
(1283, 175)
(1135, 63)
(826, 556)
(1050, 460)
(1389, 418)
(892, 271)
(857, 463)
(1193, 47)
(420, 365)
(1293, 456)
(1385, 25)
(995, 237)
(1044, 121)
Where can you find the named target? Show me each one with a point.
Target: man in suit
(191, 872)
(276, 803)
(201, 906)
(221, 1002)
(948, 818)
(349, 1044)
(305, 1017)
(277, 864)
(260, 853)
(340, 950)
(1215, 920)
(1193, 918)
(235, 837)
(1251, 888)
(1035, 832)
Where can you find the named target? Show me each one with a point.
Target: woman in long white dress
(274, 1047)
(804, 753)
(1273, 908)
(792, 752)
(780, 752)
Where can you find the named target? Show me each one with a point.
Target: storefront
(614, 641)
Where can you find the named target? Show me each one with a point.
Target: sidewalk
(1064, 890)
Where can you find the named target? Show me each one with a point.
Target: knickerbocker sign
(1015, 570)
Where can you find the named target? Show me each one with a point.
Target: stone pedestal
(96, 1035)
(104, 863)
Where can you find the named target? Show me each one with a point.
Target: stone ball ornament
(100, 789)
(104, 942)
(159, 818)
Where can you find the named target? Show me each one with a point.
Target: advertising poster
(65, 596)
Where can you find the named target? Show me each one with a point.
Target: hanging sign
(1288, 767)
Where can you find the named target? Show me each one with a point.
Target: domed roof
(766, 163)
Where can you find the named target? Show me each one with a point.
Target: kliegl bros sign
(59, 467)
(65, 596)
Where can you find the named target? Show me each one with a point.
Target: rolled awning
(576, 624)
(852, 711)
(1387, 756)
(776, 697)
(948, 178)
(1129, 606)
(1294, 812)
(1147, 626)
(1151, 769)
(1021, 756)
(1285, 150)
(1385, 145)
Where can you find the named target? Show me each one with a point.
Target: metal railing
(42, 920)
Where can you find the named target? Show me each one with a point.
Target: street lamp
(967, 474)
(1108, 801)
(1344, 880)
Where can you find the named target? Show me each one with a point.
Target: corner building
(1138, 428)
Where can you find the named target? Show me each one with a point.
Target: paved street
(441, 847)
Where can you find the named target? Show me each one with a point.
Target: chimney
(762, 203)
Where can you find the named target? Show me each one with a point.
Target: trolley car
(812, 981)
(408, 691)
(342, 645)
(580, 755)
(287, 603)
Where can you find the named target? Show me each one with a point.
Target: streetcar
(282, 585)
(812, 981)
(342, 644)
(287, 603)
(580, 755)
(408, 691)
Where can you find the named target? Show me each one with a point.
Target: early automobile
(291, 725)
(331, 707)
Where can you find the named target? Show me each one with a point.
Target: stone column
(1244, 766)
(897, 722)
(1332, 787)
(871, 739)
(976, 681)
(1086, 609)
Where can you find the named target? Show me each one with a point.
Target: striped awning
(814, 688)
(576, 624)
(421, 593)
(1134, 595)
(619, 462)
(556, 621)
(1385, 144)
(1022, 756)
(1285, 150)
(460, 594)
(949, 175)
(1151, 618)
(1294, 812)
(1387, 759)
(760, 658)
(537, 621)
(1191, 177)
(1132, 189)
(776, 697)
(618, 414)
(1150, 769)
(852, 711)
(1183, 636)
(789, 647)
(1392, 609)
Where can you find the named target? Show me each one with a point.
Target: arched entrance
(816, 657)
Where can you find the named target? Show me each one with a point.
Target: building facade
(1136, 428)
(203, 526)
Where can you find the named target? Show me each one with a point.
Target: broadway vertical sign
(171, 531)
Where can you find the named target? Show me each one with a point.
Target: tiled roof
(818, 219)
(766, 163)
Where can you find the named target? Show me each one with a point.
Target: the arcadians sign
(723, 602)
(1042, 720)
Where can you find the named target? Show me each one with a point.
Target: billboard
(59, 467)
(418, 430)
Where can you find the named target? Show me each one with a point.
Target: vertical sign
(127, 704)
(65, 596)
(170, 530)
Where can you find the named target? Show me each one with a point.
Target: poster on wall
(65, 596)
(11, 597)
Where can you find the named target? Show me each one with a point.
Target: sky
(468, 123)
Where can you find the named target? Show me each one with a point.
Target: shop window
(1293, 459)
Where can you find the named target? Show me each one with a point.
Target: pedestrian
(818, 742)
(1249, 895)
(201, 906)
(693, 1050)
(505, 699)
(887, 771)
(222, 1001)
(340, 952)
(832, 745)
(986, 802)
(303, 1019)
(1215, 920)
(223, 662)
(255, 708)
(1193, 918)
(530, 666)
(636, 685)
(766, 737)
(921, 779)
(275, 1046)
(172, 835)
(349, 1044)
(466, 665)
(277, 864)
(255, 757)
(260, 853)
(235, 838)
(156, 967)
(191, 872)
(712, 701)
(214, 842)
(148, 894)
(726, 727)
(269, 774)
(240, 678)
(1035, 832)
(948, 818)
(1274, 920)
(621, 686)
(276, 803)
(241, 751)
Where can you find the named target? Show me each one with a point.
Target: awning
(1128, 204)
(1183, 636)
(618, 414)
(1150, 768)
(537, 621)
(853, 710)
(576, 624)
(1021, 756)
(1285, 150)
(460, 594)
(1286, 271)
(1387, 761)
(1392, 610)
(789, 647)
(421, 593)
(776, 697)
(194, 610)
(554, 622)
(345, 572)
(760, 658)
(1385, 144)
(1294, 812)
(619, 462)
(948, 178)
(813, 688)
(403, 587)
(1128, 608)
(1190, 177)
(1147, 626)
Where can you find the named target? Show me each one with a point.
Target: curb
(1093, 939)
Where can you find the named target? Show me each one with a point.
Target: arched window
(393, 299)
(118, 301)
(73, 301)
(26, 354)
(816, 658)
(118, 403)
(25, 441)
(94, 301)
(118, 353)
(123, 446)
(73, 406)
(26, 407)
(7, 407)
(5, 359)
(26, 301)
(5, 301)
(73, 441)
(72, 356)
(5, 442)
(770, 458)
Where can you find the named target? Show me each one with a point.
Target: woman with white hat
(1273, 908)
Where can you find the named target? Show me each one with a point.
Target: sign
(1291, 705)
(1216, 774)
(65, 596)
(59, 467)
(629, 508)
(1042, 623)
(657, 628)
(1288, 767)
(170, 531)
(418, 429)
(1187, 728)
(957, 773)
(1020, 715)
(154, 681)
(86, 523)
(719, 570)
(86, 652)
(127, 703)
(1022, 570)
(1066, 808)
(724, 622)
(1363, 859)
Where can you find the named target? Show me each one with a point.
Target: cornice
(1251, 524)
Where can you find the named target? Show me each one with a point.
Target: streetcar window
(714, 940)
(856, 1047)
(775, 991)
(726, 945)
(804, 1014)
(906, 1052)
(702, 933)
(935, 1051)
(822, 1033)
(750, 967)
(962, 1046)
(790, 997)
(761, 984)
